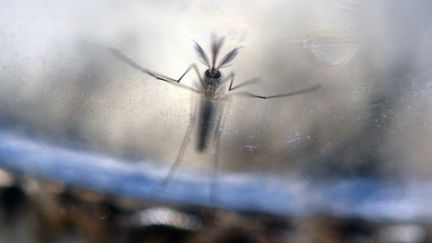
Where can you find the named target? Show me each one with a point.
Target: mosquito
(213, 87)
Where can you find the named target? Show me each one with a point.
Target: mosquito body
(213, 88)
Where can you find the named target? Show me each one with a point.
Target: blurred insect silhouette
(213, 88)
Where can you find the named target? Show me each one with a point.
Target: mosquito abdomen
(206, 123)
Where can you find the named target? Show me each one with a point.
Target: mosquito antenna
(202, 56)
(225, 61)
(216, 45)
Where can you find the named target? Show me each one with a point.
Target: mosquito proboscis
(212, 88)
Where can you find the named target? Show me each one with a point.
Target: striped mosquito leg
(119, 55)
(168, 79)
(168, 178)
(231, 77)
(293, 93)
(215, 163)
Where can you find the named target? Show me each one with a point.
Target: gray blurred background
(372, 115)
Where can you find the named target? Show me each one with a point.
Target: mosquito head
(212, 73)
(212, 77)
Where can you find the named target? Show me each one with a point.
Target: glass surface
(371, 117)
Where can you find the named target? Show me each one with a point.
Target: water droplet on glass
(331, 50)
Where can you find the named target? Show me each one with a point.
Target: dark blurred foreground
(34, 211)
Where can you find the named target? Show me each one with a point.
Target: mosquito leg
(116, 53)
(168, 178)
(214, 170)
(168, 79)
(231, 77)
(297, 92)
(119, 55)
